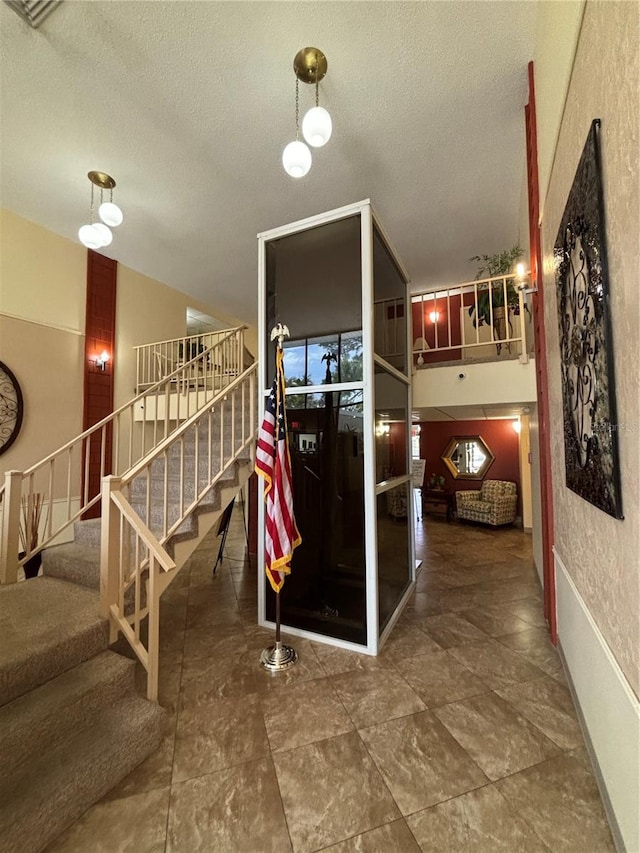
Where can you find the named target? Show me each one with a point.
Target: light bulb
(317, 126)
(296, 159)
(434, 316)
(520, 270)
(105, 233)
(90, 237)
(110, 214)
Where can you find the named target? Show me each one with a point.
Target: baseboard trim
(608, 709)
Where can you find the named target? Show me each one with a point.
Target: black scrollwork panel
(10, 408)
(586, 355)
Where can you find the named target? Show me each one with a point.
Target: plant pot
(32, 566)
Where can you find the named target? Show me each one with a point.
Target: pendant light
(296, 157)
(310, 66)
(95, 235)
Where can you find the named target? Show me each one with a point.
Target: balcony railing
(473, 320)
(157, 360)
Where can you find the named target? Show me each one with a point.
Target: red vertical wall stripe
(100, 327)
(546, 492)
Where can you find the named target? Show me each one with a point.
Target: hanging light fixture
(95, 235)
(310, 66)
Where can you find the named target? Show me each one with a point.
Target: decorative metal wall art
(10, 408)
(586, 354)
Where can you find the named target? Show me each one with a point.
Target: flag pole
(278, 657)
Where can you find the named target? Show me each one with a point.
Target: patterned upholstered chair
(495, 503)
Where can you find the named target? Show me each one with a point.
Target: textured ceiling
(189, 105)
(472, 413)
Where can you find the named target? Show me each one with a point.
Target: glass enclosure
(348, 404)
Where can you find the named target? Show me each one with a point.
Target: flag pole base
(278, 657)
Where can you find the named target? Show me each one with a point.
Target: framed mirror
(468, 457)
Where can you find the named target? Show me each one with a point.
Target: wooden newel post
(109, 553)
(10, 544)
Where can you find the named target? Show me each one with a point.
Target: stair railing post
(10, 544)
(153, 642)
(109, 552)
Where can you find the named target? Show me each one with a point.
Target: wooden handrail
(143, 531)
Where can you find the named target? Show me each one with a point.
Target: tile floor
(461, 736)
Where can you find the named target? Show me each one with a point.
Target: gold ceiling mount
(101, 180)
(310, 65)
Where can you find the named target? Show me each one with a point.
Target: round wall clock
(10, 408)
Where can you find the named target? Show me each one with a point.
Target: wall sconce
(95, 235)
(523, 274)
(382, 429)
(310, 66)
(434, 316)
(101, 360)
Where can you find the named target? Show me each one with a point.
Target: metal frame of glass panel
(371, 488)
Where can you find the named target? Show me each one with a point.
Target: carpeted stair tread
(87, 532)
(64, 782)
(47, 627)
(76, 562)
(51, 713)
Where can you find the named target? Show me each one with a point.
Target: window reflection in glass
(326, 589)
(391, 408)
(394, 570)
(389, 297)
(323, 360)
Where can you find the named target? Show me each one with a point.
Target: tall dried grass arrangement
(31, 507)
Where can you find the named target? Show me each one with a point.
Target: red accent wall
(100, 326)
(540, 346)
(500, 437)
(444, 307)
(398, 449)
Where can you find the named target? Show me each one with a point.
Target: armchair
(495, 503)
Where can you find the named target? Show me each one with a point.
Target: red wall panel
(500, 437)
(100, 328)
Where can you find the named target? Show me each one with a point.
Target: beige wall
(525, 473)
(536, 502)
(48, 365)
(42, 276)
(42, 322)
(148, 311)
(42, 315)
(602, 554)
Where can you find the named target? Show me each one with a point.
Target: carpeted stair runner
(71, 722)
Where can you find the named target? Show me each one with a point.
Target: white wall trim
(607, 705)
(57, 327)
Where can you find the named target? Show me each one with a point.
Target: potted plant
(491, 299)
(31, 521)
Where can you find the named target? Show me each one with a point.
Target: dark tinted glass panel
(390, 310)
(325, 591)
(391, 406)
(314, 286)
(394, 573)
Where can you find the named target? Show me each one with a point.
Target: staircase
(71, 722)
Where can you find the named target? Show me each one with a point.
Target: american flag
(274, 465)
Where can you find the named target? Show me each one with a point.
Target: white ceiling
(189, 105)
(491, 412)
